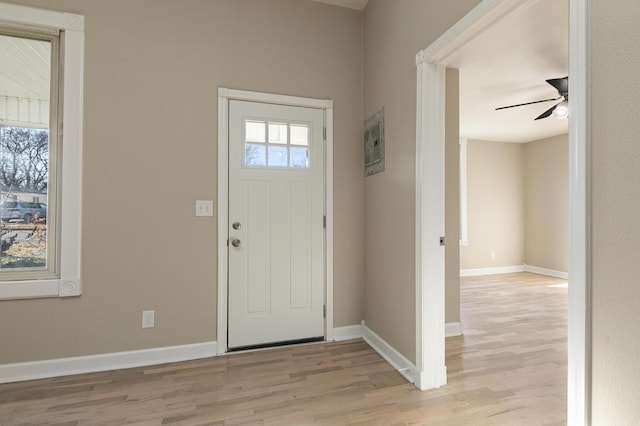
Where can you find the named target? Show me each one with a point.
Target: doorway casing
(430, 141)
(224, 96)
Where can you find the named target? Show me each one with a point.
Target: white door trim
(224, 96)
(430, 180)
(579, 319)
(430, 345)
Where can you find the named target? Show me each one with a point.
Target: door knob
(236, 225)
(235, 242)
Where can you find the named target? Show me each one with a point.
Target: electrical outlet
(148, 319)
(204, 208)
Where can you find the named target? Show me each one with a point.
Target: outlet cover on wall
(148, 319)
(204, 208)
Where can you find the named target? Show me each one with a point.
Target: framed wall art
(374, 143)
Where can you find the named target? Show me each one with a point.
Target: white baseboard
(511, 269)
(452, 329)
(347, 333)
(104, 362)
(491, 271)
(545, 271)
(390, 354)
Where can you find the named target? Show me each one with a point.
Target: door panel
(276, 198)
(257, 200)
(300, 249)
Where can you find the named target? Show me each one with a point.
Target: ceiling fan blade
(547, 113)
(528, 103)
(561, 84)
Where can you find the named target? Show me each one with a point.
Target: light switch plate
(204, 208)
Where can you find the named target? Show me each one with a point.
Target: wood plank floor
(508, 369)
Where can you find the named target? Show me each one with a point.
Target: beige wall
(546, 192)
(150, 139)
(615, 211)
(152, 69)
(495, 205)
(394, 31)
(517, 204)
(452, 198)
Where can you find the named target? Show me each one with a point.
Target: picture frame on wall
(374, 143)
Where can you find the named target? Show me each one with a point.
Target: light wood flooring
(508, 369)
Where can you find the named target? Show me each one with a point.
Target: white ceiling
(508, 65)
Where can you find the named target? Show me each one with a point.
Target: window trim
(51, 269)
(70, 207)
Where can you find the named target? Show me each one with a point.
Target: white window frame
(70, 202)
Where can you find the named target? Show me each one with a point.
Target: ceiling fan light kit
(559, 110)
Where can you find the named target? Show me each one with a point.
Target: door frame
(225, 95)
(431, 63)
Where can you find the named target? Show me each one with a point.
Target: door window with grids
(275, 144)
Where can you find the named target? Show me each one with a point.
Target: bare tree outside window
(24, 173)
(24, 158)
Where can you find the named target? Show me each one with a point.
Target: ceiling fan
(560, 109)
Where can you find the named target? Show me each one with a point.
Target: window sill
(39, 289)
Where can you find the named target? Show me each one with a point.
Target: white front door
(276, 235)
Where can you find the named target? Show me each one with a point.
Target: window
(28, 144)
(41, 70)
(276, 145)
